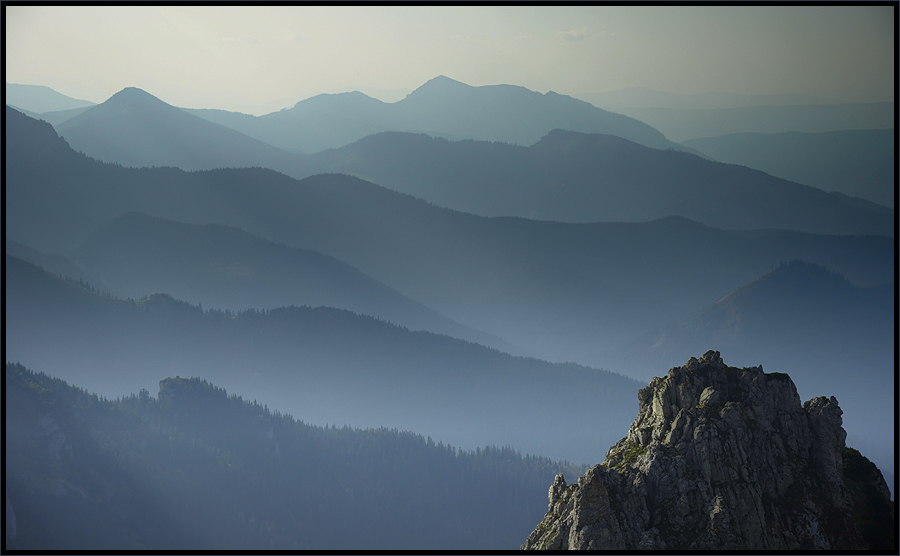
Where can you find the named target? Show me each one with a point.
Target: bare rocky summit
(724, 458)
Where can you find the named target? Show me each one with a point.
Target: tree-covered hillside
(320, 364)
(197, 468)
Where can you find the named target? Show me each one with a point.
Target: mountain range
(134, 128)
(322, 365)
(563, 290)
(226, 268)
(441, 106)
(487, 266)
(575, 177)
(565, 176)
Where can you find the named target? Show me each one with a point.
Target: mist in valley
(361, 323)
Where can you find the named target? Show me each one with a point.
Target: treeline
(195, 468)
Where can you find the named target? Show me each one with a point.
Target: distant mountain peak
(339, 101)
(438, 85)
(796, 278)
(132, 94)
(127, 100)
(443, 81)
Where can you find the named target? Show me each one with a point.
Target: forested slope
(196, 468)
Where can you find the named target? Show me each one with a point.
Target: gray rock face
(720, 458)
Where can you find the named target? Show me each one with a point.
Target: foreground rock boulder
(724, 458)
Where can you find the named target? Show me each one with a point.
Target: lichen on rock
(718, 458)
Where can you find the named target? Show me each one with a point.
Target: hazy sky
(257, 59)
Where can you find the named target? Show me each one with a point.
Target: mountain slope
(134, 128)
(574, 177)
(193, 468)
(53, 262)
(768, 318)
(226, 268)
(59, 116)
(326, 365)
(565, 290)
(513, 114)
(38, 98)
(854, 162)
(682, 124)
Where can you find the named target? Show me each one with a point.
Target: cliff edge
(724, 458)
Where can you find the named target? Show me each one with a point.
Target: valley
(468, 250)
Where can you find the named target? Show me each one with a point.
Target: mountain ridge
(549, 285)
(84, 472)
(441, 106)
(857, 162)
(167, 136)
(569, 176)
(40, 99)
(224, 267)
(328, 365)
(565, 176)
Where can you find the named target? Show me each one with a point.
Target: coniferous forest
(197, 468)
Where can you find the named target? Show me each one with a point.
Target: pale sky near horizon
(258, 59)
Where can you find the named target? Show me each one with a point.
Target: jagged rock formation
(724, 458)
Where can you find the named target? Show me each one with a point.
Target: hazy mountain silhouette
(226, 268)
(134, 128)
(52, 262)
(440, 107)
(858, 162)
(238, 121)
(574, 177)
(682, 124)
(769, 319)
(862, 203)
(566, 176)
(39, 99)
(564, 290)
(323, 365)
(644, 97)
(830, 335)
(59, 116)
(325, 119)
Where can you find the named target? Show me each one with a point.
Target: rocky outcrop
(728, 459)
